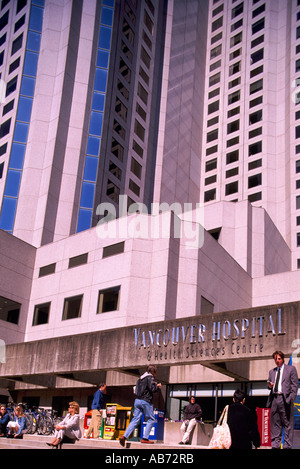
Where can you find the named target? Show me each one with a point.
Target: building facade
(149, 197)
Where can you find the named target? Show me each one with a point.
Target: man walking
(283, 382)
(192, 413)
(97, 405)
(143, 404)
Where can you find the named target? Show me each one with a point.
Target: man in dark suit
(242, 423)
(283, 382)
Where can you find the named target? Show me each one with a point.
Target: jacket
(21, 421)
(98, 400)
(192, 411)
(289, 384)
(72, 424)
(149, 387)
(243, 427)
(4, 419)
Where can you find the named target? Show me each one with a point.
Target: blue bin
(157, 431)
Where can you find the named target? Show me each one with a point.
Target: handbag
(221, 438)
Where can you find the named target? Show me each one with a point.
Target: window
(213, 135)
(233, 126)
(258, 26)
(258, 11)
(11, 86)
(4, 20)
(72, 307)
(233, 141)
(255, 164)
(139, 130)
(256, 86)
(236, 39)
(117, 149)
(237, 10)
(232, 172)
(257, 41)
(113, 249)
(234, 68)
(254, 181)
(255, 132)
(47, 270)
(255, 148)
(232, 156)
(136, 168)
(233, 112)
(17, 44)
(108, 300)
(210, 195)
(217, 24)
(256, 71)
(255, 117)
(9, 310)
(137, 148)
(20, 5)
(113, 191)
(213, 107)
(41, 314)
(78, 260)
(214, 79)
(256, 56)
(14, 65)
(210, 180)
(142, 93)
(211, 165)
(231, 188)
(256, 101)
(1, 170)
(255, 197)
(19, 23)
(5, 128)
(234, 97)
(216, 51)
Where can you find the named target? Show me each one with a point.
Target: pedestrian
(283, 383)
(192, 413)
(242, 423)
(143, 404)
(98, 405)
(4, 419)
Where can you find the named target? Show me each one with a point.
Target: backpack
(140, 387)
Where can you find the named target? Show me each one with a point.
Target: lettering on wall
(210, 338)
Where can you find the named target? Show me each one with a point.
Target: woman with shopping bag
(221, 438)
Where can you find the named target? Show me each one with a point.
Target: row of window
(19, 141)
(234, 97)
(82, 259)
(108, 300)
(120, 123)
(117, 149)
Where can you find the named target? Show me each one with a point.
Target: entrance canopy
(213, 340)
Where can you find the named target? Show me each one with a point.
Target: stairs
(39, 442)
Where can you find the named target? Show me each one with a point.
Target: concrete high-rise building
(190, 105)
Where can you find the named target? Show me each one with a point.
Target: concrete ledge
(201, 434)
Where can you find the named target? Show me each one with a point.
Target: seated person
(4, 419)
